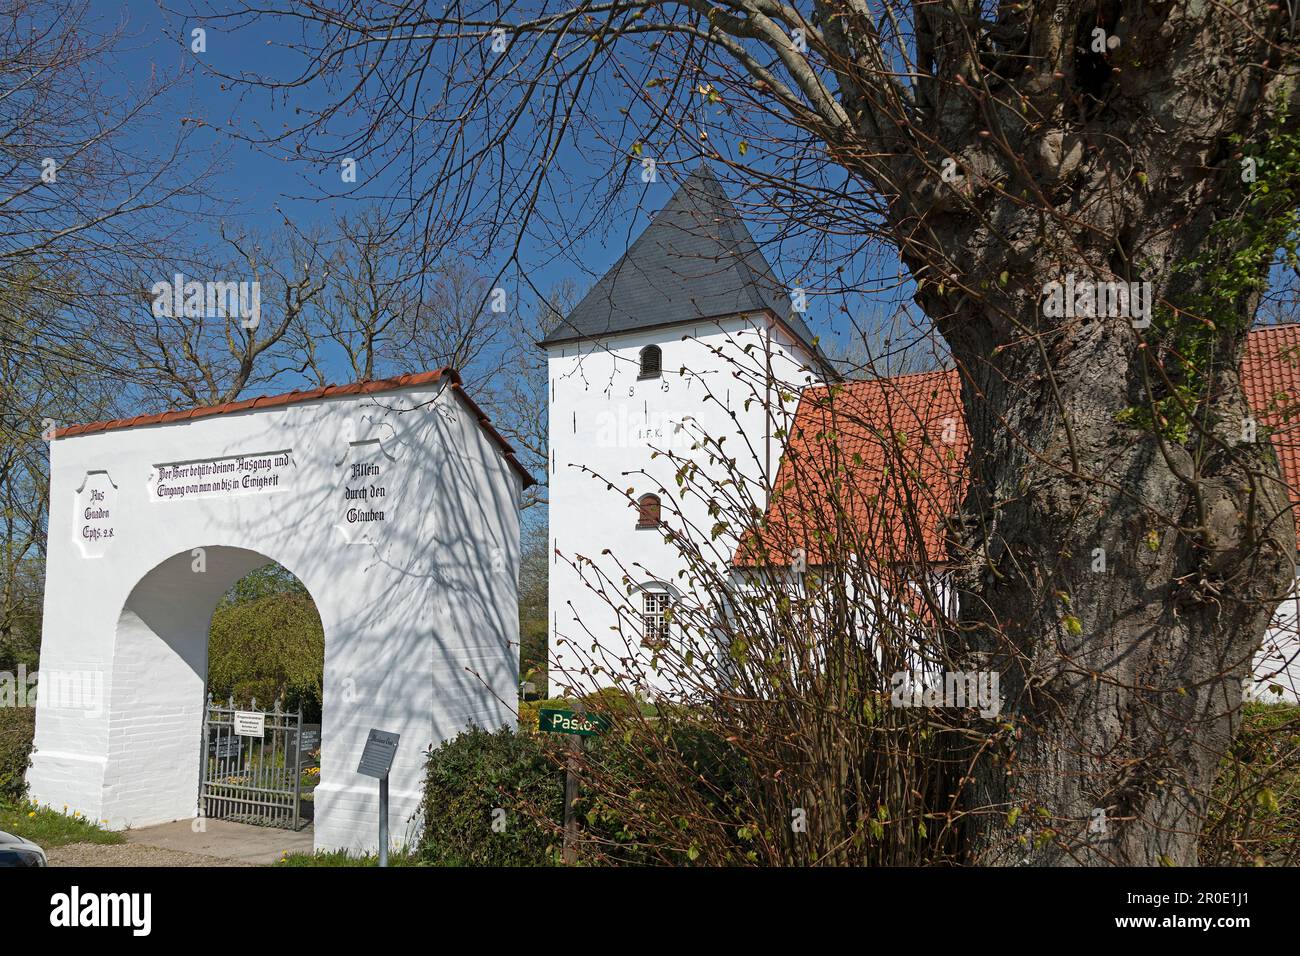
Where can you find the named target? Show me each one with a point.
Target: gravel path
(129, 854)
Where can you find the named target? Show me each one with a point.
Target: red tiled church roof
(311, 395)
(1270, 377)
(860, 436)
(857, 437)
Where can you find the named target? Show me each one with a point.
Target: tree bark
(1122, 686)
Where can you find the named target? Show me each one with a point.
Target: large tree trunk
(1122, 687)
(1130, 709)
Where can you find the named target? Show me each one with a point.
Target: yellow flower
(32, 814)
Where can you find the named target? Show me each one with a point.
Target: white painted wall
(603, 419)
(1278, 662)
(421, 621)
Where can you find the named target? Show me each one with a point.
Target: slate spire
(695, 260)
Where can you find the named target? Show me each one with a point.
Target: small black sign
(224, 748)
(377, 758)
(308, 739)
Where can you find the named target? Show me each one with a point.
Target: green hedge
(269, 647)
(477, 773)
(1254, 810)
(17, 727)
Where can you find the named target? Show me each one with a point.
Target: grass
(47, 827)
(347, 858)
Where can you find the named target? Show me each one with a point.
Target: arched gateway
(396, 505)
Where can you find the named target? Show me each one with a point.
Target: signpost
(376, 761)
(579, 725)
(571, 722)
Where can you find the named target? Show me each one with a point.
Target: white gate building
(395, 503)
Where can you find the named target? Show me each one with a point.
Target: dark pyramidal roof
(696, 260)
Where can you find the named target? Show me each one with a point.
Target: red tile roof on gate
(310, 395)
(860, 434)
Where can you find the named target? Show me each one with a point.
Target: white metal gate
(247, 778)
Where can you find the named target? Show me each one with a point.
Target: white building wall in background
(1277, 665)
(606, 421)
(419, 609)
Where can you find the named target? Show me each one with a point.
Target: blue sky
(252, 183)
(256, 181)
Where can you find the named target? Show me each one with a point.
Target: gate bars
(250, 779)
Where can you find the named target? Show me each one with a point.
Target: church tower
(687, 335)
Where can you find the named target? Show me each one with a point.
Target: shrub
(17, 728)
(1254, 813)
(478, 772)
(631, 805)
(522, 773)
(269, 647)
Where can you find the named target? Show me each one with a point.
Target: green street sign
(568, 722)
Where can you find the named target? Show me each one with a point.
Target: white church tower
(689, 334)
